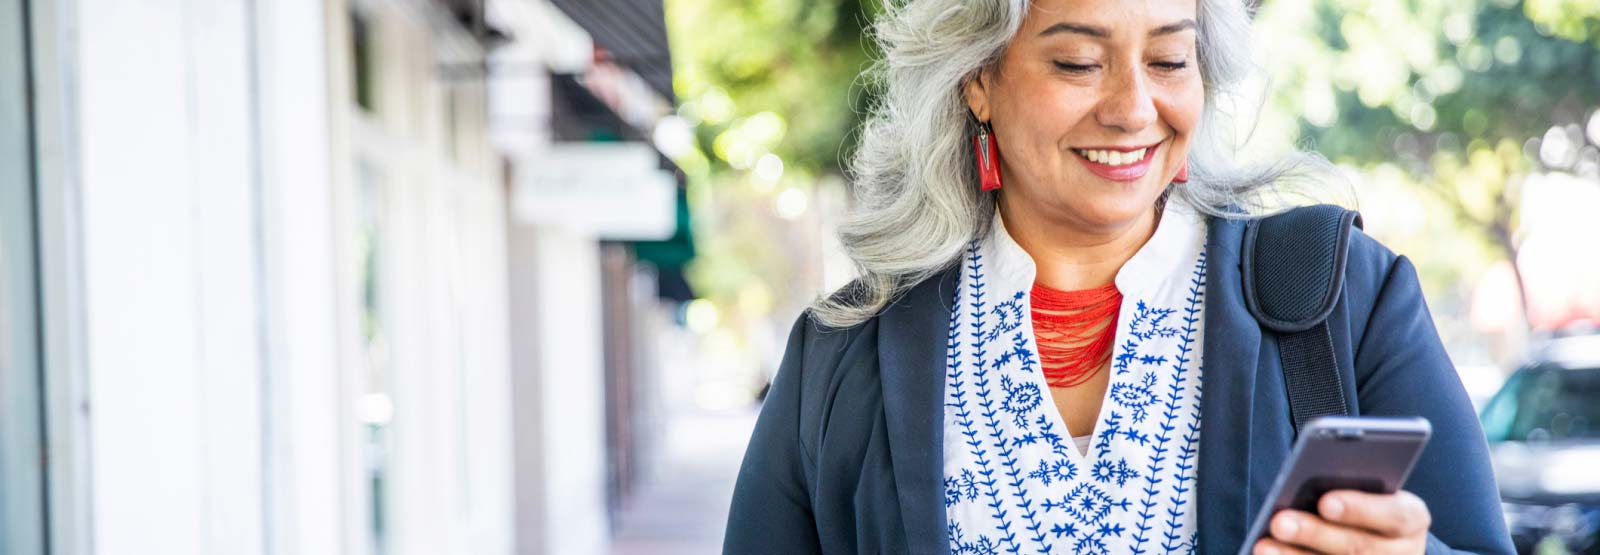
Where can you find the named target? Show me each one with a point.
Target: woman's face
(1084, 87)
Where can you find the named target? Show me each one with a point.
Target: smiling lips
(1118, 164)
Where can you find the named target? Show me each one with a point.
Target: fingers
(1269, 546)
(1394, 515)
(1314, 535)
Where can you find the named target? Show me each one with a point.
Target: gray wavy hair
(916, 203)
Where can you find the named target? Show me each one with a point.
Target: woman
(1043, 206)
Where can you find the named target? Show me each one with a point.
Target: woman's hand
(1352, 523)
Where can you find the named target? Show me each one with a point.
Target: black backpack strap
(1293, 270)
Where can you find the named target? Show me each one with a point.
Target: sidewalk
(684, 507)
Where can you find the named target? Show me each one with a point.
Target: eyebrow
(1104, 33)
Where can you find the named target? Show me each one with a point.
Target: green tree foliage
(771, 76)
(772, 91)
(1456, 94)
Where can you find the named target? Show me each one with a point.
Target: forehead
(1118, 16)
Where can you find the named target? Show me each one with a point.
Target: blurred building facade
(284, 277)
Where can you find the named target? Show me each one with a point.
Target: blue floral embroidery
(1058, 444)
(1105, 472)
(1136, 397)
(1112, 428)
(1147, 322)
(1021, 399)
(959, 400)
(959, 545)
(1007, 314)
(1154, 471)
(962, 487)
(1089, 507)
(1184, 466)
(1059, 469)
(1021, 499)
(1086, 503)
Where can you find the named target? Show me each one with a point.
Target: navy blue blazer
(846, 456)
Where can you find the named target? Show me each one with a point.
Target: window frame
(25, 502)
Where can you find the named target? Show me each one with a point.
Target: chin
(1112, 210)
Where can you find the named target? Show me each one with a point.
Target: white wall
(442, 274)
(213, 146)
(573, 400)
(560, 411)
(558, 361)
(311, 426)
(170, 282)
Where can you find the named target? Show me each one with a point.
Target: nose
(1126, 105)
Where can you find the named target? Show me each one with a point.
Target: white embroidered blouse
(1014, 481)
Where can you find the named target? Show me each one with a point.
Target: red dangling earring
(988, 156)
(1183, 173)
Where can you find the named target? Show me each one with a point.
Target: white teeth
(1114, 158)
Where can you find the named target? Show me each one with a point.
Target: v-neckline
(1087, 458)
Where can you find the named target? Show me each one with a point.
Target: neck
(1070, 255)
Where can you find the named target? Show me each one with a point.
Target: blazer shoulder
(1368, 265)
(818, 351)
(1374, 274)
(824, 346)
(828, 350)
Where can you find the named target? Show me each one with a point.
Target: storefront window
(21, 387)
(376, 403)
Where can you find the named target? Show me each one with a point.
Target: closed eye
(1171, 66)
(1074, 68)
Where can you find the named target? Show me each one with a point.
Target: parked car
(1543, 428)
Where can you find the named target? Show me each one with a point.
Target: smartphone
(1371, 454)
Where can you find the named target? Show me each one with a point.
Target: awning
(634, 32)
(577, 116)
(470, 15)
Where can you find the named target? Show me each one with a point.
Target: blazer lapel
(1232, 349)
(911, 358)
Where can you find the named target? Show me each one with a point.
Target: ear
(976, 92)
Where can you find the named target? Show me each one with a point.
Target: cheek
(1037, 108)
(1180, 107)
(1043, 115)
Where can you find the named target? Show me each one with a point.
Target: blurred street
(681, 509)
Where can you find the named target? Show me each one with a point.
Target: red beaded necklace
(1074, 331)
